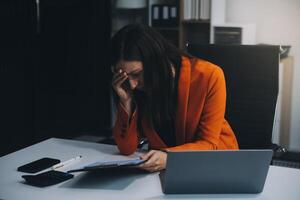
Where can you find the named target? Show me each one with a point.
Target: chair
(251, 73)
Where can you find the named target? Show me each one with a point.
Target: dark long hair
(137, 42)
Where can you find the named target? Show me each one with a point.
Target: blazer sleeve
(212, 117)
(125, 131)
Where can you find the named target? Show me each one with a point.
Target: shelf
(167, 28)
(179, 32)
(194, 21)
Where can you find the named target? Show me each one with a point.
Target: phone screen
(126, 84)
(38, 165)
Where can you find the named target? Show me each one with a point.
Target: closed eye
(135, 74)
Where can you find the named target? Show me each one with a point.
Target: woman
(174, 100)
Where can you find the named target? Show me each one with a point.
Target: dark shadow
(107, 179)
(251, 73)
(106, 149)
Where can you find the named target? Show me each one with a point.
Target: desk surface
(281, 183)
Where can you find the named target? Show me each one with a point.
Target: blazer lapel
(182, 100)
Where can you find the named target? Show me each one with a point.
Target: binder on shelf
(187, 5)
(164, 15)
(196, 9)
(165, 12)
(156, 15)
(204, 9)
(173, 15)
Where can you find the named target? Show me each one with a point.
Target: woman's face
(134, 70)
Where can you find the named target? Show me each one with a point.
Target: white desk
(282, 183)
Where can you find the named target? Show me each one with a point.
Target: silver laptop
(206, 172)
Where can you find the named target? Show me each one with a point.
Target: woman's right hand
(121, 86)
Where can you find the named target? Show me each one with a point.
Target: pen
(67, 162)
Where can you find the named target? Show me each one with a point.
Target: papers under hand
(66, 163)
(109, 164)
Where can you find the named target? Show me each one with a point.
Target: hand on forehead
(129, 66)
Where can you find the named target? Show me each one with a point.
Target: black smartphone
(126, 85)
(38, 165)
(47, 178)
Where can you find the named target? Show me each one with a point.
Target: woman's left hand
(155, 161)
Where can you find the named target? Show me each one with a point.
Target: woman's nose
(133, 84)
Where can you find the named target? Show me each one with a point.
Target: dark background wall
(54, 72)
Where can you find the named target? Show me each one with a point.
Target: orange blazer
(200, 122)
